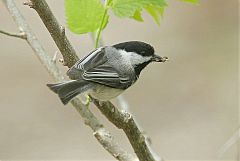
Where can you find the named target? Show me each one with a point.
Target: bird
(107, 71)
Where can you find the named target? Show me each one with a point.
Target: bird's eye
(142, 52)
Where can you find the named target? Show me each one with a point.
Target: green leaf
(84, 16)
(127, 8)
(138, 16)
(155, 12)
(160, 10)
(191, 1)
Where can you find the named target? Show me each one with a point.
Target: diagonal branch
(102, 135)
(32, 40)
(124, 120)
(57, 32)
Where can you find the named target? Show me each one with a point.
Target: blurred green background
(188, 106)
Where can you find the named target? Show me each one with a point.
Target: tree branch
(32, 40)
(124, 120)
(102, 135)
(57, 32)
(20, 35)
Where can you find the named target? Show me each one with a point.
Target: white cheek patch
(134, 58)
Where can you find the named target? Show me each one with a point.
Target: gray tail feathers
(67, 90)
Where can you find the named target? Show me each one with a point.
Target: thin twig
(234, 139)
(54, 59)
(20, 35)
(101, 134)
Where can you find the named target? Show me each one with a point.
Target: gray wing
(95, 68)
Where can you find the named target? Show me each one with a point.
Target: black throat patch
(140, 67)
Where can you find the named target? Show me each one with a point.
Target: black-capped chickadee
(107, 71)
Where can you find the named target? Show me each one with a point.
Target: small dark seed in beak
(158, 58)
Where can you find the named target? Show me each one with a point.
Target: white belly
(105, 93)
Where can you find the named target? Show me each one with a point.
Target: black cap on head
(136, 46)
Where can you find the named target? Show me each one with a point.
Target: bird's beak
(158, 58)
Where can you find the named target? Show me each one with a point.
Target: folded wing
(95, 68)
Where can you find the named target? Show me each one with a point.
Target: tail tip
(54, 87)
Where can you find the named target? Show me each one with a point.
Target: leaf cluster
(83, 16)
